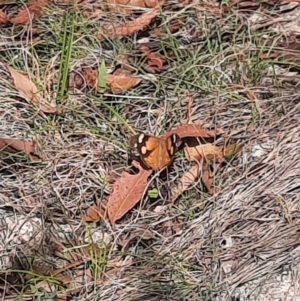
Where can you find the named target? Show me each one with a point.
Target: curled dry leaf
(128, 190)
(126, 6)
(118, 83)
(190, 176)
(134, 3)
(232, 149)
(185, 181)
(195, 130)
(15, 145)
(35, 9)
(155, 60)
(3, 17)
(29, 90)
(208, 180)
(204, 153)
(94, 212)
(207, 152)
(91, 77)
(130, 27)
(210, 152)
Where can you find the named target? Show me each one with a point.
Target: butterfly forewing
(155, 152)
(172, 144)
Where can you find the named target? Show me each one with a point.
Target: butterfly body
(155, 152)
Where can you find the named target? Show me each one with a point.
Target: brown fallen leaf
(195, 130)
(231, 150)
(117, 83)
(16, 145)
(94, 212)
(207, 152)
(155, 60)
(29, 90)
(208, 180)
(130, 27)
(135, 3)
(204, 153)
(185, 181)
(35, 9)
(124, 70)
(91, 77)
(127, 6)
(190, 176)
(128, 190)
(3, 17)
(153, 3)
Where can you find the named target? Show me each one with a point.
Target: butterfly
(155, 152)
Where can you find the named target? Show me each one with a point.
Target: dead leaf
(127, 6)
(16, 145)
(130, 27)
(117, 83)
(231, 150)
(210, 152)
(29, 90)
(204, 153)
(157, 62)
(91, 77)
(195, 130)
(250, 95)
(95, 212)
(207, 152)
(153, 3)
(128, 190)
(190, 176)
(35, 9)
(208, 180)
(155, 59)
(24, 85)
(3, 17)
(185, 181)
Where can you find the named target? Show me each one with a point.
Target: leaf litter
(16, 145)
(127, 6)
(117, 83)
(34, 10)
(128, 190)
(130, 27)
(254, 212)
(29, 90)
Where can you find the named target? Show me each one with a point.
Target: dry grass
(242, 64)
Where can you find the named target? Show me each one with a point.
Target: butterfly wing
(156, 153)
(165, 152)
(151, 153)
(146, 147)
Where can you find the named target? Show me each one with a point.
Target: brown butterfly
(155, 152)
